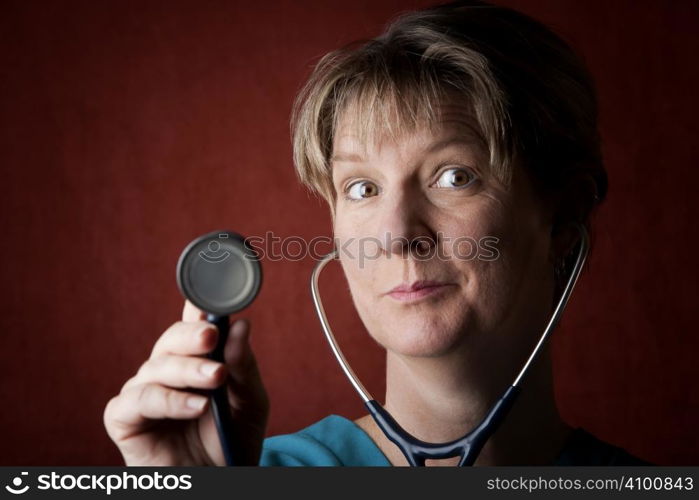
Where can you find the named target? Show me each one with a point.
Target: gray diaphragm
(219, 273)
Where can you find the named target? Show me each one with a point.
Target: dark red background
(128, 128)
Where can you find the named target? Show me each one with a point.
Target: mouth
(412, 292)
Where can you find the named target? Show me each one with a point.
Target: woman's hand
(162, 415)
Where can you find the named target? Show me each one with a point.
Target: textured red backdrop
(128, 128)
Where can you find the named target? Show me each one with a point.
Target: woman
(465, 120)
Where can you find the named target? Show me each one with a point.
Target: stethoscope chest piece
(220, 274)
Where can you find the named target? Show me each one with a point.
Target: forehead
(450, 122)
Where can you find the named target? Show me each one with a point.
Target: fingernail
(204, 334)
(196, 402)
(208, 369)
(239, 326)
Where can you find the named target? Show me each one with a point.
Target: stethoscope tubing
(220, 408)
(469, 445)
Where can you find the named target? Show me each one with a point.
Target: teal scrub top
(337, 441)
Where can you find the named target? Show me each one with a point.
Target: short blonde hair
(529, 93)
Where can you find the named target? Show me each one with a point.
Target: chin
(418, 336)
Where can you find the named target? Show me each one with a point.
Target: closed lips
(417, 285)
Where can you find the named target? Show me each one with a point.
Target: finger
(179, 371)
(245, 385)
(190, 312)
(191, 338)
(238, 354)
(126, 414)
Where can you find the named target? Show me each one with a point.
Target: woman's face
(438, 254)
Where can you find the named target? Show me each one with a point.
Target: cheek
(358, 255)
(476, 249)
(506, 287)
(472, 239)
(499, 254)
(363, 264)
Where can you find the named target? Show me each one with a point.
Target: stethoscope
(470, 445)
(220, 273)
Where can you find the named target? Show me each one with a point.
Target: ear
(573, 205)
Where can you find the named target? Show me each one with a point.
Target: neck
(443, 398)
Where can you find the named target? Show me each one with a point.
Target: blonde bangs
(385, 94)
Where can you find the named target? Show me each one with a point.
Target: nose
(403, 226)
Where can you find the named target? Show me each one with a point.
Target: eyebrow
(455, 140)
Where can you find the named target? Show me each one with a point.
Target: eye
(454, 178)
(360, 190)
